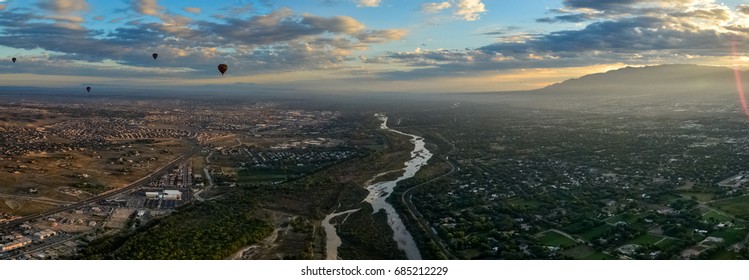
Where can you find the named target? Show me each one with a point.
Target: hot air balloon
(88, 89)
(155, 55)
(222, 68)
(14, 60)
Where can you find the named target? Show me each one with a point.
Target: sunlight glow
(739, 84)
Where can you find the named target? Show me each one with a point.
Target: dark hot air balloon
(155, 55)
(222, 68)
(88, 89)
(14, 60)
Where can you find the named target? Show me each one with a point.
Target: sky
(358, 45)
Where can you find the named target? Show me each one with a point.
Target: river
(378, 194)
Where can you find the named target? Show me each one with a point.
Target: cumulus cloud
(147, 7)
(470, 10)
(434, 7)
(192, 10)
(64, 12)
(368, 3)
(744, 9)
(342, 24)
(381, 36)
(63, 6)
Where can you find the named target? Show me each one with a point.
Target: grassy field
(735, 206)
(520, 203)
(730, 235)
(646, 239)
(631, 219)
(666, 243)
(715, 215)
(724, 255)
(595, 232)
(701, 197)
(551, 238)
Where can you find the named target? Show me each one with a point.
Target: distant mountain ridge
(669, 78)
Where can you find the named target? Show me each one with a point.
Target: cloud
(601, 4)
(574, 18)
(343, 24)
(434, 7)
(63, 6)
(64, 12)
(470, 10)
(147, 7)
(500, 31)
(629, 32)
(192, 10)
(368, 3)
(623, 36)
(744, 9)
(381, 36)
(279, 41)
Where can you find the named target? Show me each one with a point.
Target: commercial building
(18, 243)
(44, 234)
(172, 195)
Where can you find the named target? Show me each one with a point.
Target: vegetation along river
(378, 194)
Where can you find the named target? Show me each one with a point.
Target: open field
(735, 206)
(701, 197)
(74, 175)
(23, 207)
(724, 255)
(633, 220)
(552, 238)
(666, 243)
(710, 214)
(595, 232)
(198, 163)
(730, 235)
(119, 218)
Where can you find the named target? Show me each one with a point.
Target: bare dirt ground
(52, 176)
(119, 218)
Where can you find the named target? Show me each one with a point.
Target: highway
(109, 194)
